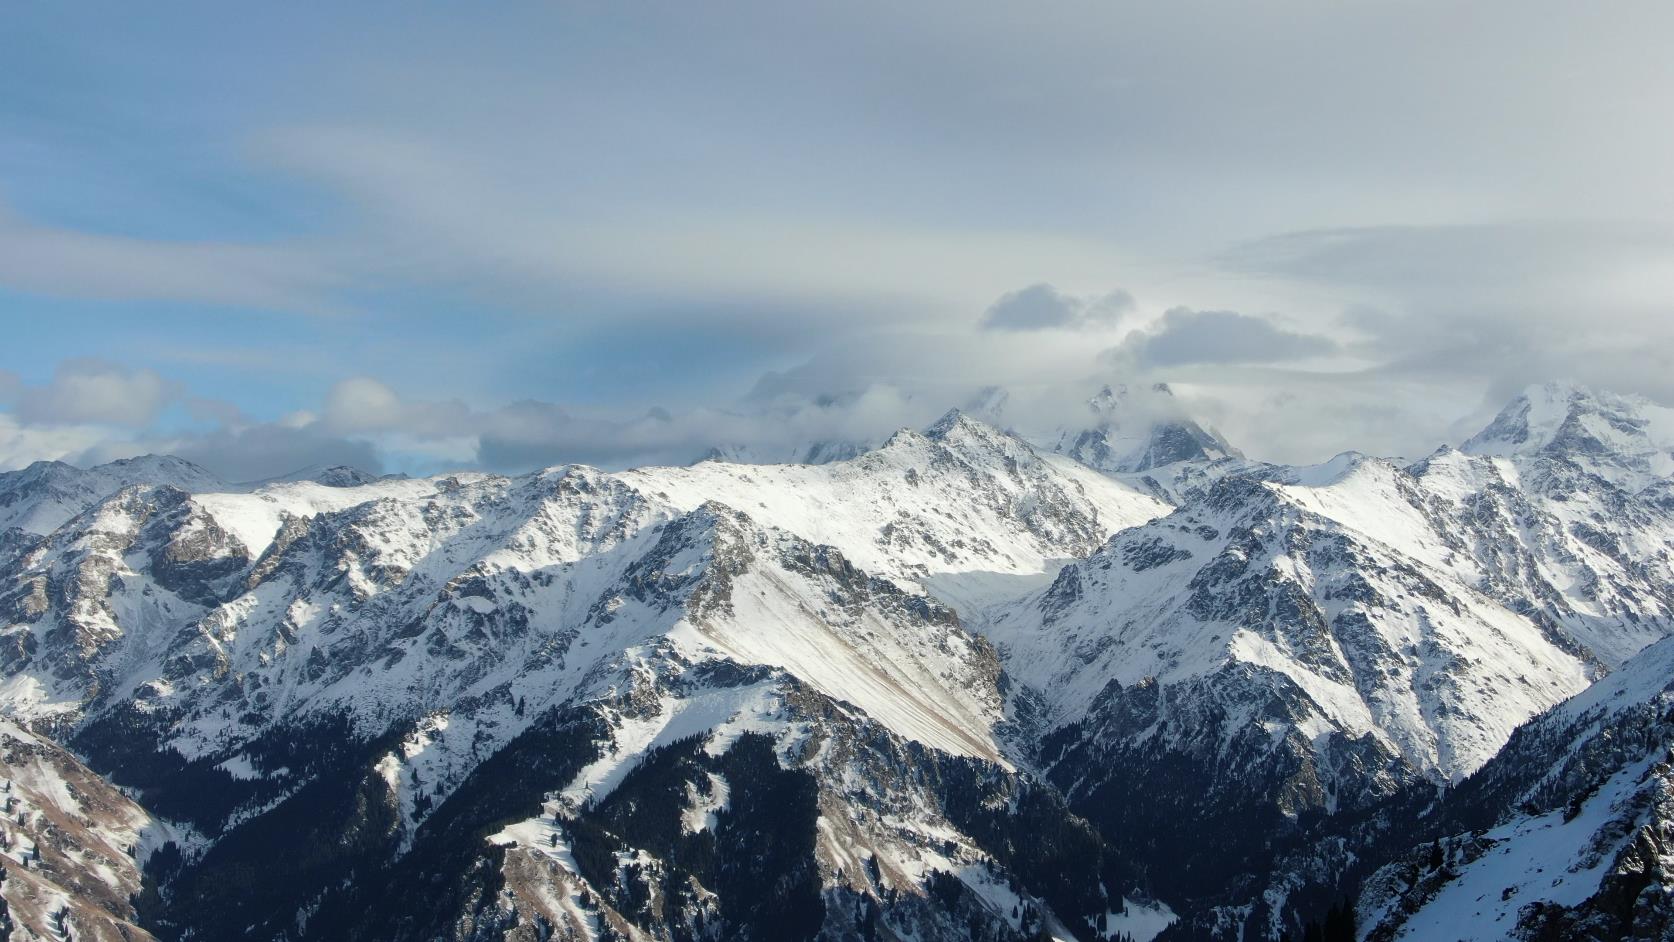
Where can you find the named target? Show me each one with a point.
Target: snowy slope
(1574, 825)
(453, 613)
(961, 497)
(70, 845)
(394, 600)
(1297, 642)
(1378, 642)
(1591, 566)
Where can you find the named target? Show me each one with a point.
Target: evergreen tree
(1339, 923)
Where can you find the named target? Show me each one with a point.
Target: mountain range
(1114, 680)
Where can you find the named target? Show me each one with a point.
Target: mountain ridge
(973, 656)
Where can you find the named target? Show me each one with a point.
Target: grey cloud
(1537, 263)
(1185, 336)
(236, 454)
(1494, 307)
(93, 411)
(269, 450)
(534, 434)
(1042, 307)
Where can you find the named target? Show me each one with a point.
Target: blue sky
(422, 237)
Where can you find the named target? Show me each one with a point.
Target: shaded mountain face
(956, 686)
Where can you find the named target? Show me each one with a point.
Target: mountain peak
(336, 475)
(42, 496)
(1140, 430)
(972, 436)
(955, 425)
(1605, 431)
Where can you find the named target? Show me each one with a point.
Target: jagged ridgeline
(1112, 682)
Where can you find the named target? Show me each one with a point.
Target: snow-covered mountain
(973, 687)
(1141, 432)
(1627, 440)
(193, 643)
(1296, 641)
(41, 497)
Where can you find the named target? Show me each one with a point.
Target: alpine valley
(1110, 681)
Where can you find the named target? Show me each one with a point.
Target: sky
(417, 237)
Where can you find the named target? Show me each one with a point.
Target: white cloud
(95, 392)
(21, 445)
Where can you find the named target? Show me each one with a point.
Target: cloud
(93, 411)
(660, 206)
(1479, 311)
(1042, 307)
(21, 445)
(82, 264)
(362, 404)
(532, 433)
(1540, 265)
(95, 392)
(1185, 336)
